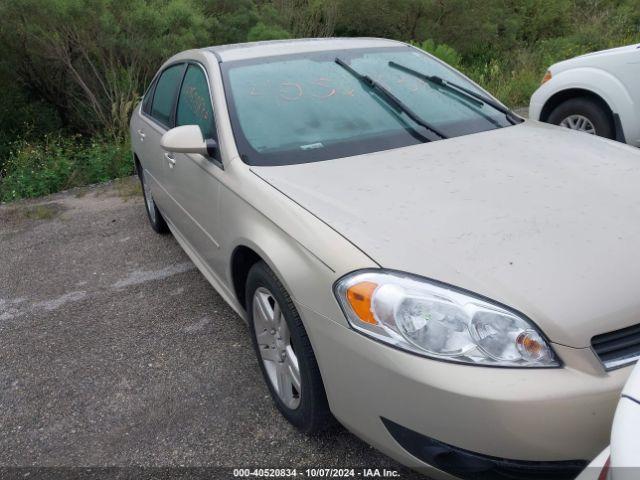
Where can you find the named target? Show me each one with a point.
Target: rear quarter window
(148, 98)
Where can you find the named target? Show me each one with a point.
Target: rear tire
(583, 114)
(155, 217)
(280, 341)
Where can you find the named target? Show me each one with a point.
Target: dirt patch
(128, 188)
(124, 188)
(42, 211)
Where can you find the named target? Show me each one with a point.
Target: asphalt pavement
(115, 350)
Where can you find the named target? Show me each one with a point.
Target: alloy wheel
(151, 206)
(276, 351)
(580, 123)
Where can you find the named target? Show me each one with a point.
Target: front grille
(619, 348)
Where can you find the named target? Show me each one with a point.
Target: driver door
(192, 178)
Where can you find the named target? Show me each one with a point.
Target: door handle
(171, 160)
(142, 135)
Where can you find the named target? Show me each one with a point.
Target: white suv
(598, 93)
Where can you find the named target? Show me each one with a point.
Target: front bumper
(466, 464)
(536, 104)
(541, 415)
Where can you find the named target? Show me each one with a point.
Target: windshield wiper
(390, 98)
(459, 89)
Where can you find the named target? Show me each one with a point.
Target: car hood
(539, 218)
(611, 51)
(593, 59)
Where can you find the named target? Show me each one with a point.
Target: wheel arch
(596, 83)
(242, 259)
(563, 95)
(136, 163)
(286, 263)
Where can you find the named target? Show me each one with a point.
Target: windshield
(307, 107)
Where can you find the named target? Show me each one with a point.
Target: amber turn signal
(359, 297)
(530, 346)
(546, 78)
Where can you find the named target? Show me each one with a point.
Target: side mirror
(188, 139)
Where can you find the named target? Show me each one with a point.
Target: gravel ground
(115, 351)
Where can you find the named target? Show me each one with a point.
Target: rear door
(156, 118)
(192, 179)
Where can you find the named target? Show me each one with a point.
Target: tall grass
(57, 162)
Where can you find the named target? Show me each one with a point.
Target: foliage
(232, 20)
(78, 67)
(96, 53)
(261, 31)
(307, 18)
(57, 162)
(442, 51)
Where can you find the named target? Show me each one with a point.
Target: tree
(91, 59)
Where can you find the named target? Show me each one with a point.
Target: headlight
(440, 322)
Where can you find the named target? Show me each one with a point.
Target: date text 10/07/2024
(316, 473)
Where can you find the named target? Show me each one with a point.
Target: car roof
(244, 51)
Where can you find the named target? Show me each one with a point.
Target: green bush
(79, 66)
(262, 31)
(442, 51)
(57, 162)
(512, 81)
(98, 55)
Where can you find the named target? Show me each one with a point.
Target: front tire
(583, 114)
(155, 217)
(284, 352)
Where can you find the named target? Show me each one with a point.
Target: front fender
(594, 80)
(305, 254)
